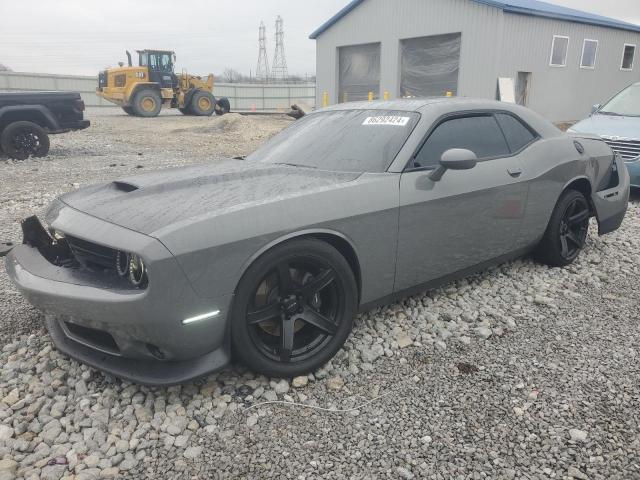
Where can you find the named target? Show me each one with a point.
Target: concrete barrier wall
(243, 96)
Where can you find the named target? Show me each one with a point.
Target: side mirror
(595, 108)
(454, 159)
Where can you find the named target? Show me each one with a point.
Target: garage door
(429, 65)
(359, 72)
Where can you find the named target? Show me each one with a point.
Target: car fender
(47, 119)
(576, 179)
(292, 236)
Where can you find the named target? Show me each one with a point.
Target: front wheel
(202, 104)
(19, 140)
(293, 309)
(129, 111)
(567, 231)
(147, 103)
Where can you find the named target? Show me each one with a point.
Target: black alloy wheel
(19, 140)
(574, 227)
(295, 309)
(566, 234)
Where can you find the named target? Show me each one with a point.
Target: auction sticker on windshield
(387, 120)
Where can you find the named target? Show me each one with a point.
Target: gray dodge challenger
(161, 278)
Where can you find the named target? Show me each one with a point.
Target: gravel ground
(520, 372)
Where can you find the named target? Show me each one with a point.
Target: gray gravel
(520, 372)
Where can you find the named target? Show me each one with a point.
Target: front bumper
(133, 334)
(146, 372)
(611, 204)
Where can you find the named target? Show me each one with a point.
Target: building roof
(524, 7)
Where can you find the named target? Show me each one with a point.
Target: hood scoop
(124, 186)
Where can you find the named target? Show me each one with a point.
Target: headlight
(122, 263)
(137, 271)
(132, 267)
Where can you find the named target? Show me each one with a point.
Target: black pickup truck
(27, 119)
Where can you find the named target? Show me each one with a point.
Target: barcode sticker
(387, 120)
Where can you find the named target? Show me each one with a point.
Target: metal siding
(525, 7)
(565, 93)
(243, 97)
(494, 44)
(389, 22)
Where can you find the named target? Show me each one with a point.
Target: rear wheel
(202, 103)
(147, 103)
(293, 309)
(19, 140)
(128, 110)
(567, 231)
(185, 111)
(223, 106)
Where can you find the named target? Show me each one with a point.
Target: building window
(589, 54)
(359, 72)
(628, 57)
(559, 51)
(429, 66)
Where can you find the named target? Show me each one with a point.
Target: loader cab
(160, 64)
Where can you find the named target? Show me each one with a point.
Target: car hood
(150, 202)
(610, 126)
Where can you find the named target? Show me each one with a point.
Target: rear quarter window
(517, 134)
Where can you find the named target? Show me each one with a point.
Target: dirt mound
(237, 124)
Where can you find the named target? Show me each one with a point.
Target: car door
(467, 217)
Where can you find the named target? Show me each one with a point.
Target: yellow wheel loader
(143, 90)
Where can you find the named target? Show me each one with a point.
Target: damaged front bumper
(138, 335)
(611, 204)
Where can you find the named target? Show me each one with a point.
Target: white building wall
(566, 93)
(390, 21)
(494, 44)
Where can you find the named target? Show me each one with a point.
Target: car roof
(422, 104)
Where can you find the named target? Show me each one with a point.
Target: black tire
(185, 111)
(19, 140)
(129, 111)
(567, 231)
(147, 103)
(316, 307)
(202, 104)
(223, 106)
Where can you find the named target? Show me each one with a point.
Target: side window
(480, 134)
(518, 136)
(559, 50)
(166, 62)
(628, 56)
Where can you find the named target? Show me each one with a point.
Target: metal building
(555, 60)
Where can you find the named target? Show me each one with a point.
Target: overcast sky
(84, 36)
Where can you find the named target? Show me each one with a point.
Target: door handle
(514, 171)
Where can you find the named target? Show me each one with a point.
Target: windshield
(626, 103)
(343, 140)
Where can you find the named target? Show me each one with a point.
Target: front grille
(94, 337)
(120, 80)
(627, 148)
(92, 255)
